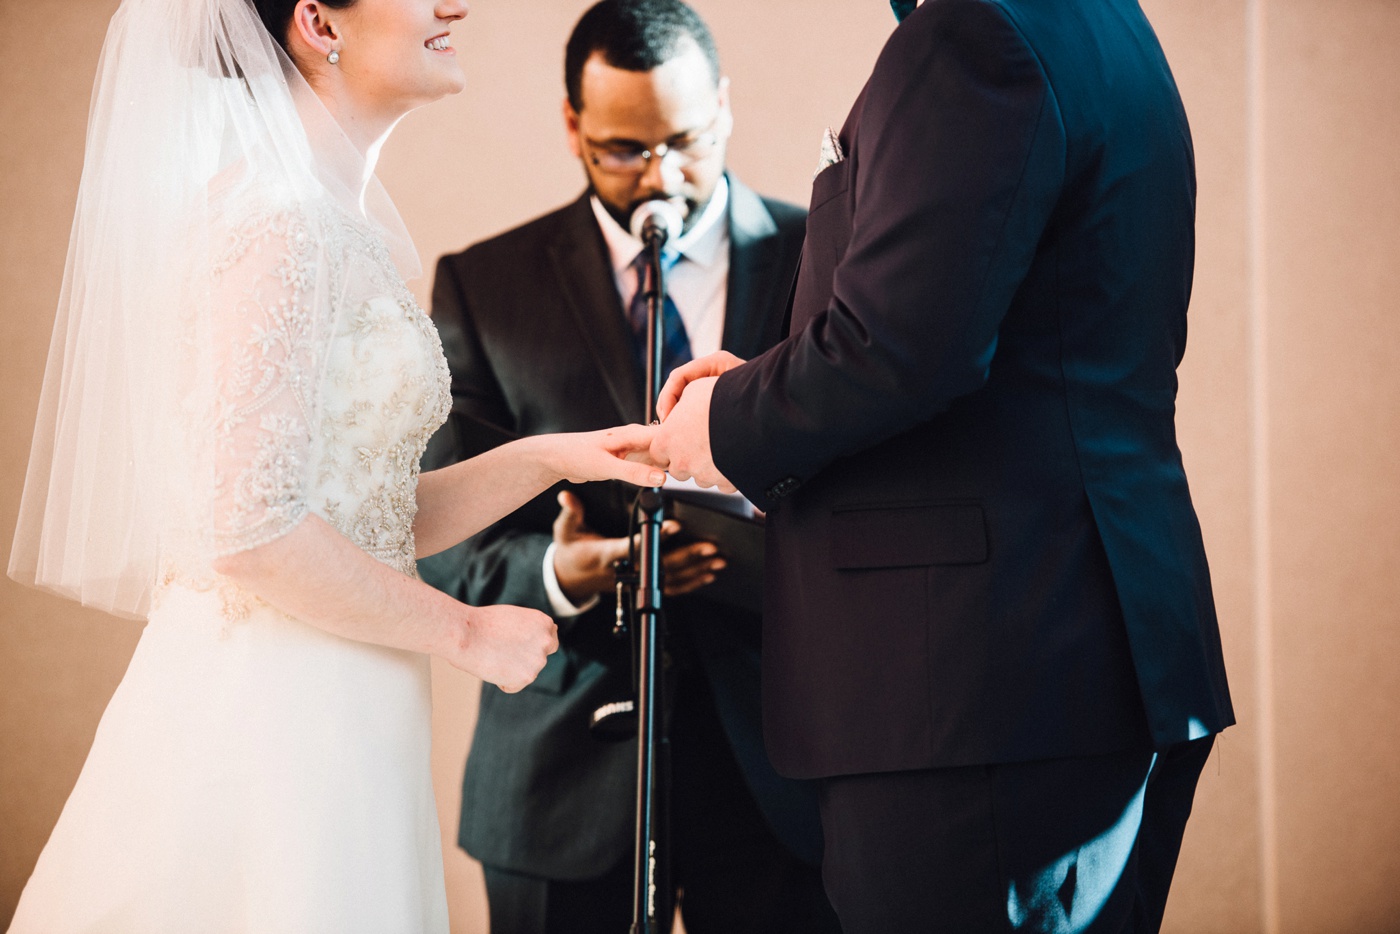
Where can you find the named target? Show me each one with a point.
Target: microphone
(656, 221)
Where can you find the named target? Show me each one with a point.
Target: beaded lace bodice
(327, 384)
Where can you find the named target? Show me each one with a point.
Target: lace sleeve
(266, 313)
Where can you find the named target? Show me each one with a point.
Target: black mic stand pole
(649, 868)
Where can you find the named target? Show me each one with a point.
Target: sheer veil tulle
(196, 113)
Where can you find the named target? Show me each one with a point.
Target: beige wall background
(1289, 407)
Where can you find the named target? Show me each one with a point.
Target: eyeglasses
(632, 161)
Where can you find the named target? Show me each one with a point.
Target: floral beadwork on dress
(329, 382)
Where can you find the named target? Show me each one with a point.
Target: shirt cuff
(558, 602)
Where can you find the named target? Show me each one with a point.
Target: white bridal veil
(195, 114)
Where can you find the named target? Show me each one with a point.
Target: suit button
(783, 487)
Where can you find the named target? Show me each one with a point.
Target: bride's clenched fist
(505, 645)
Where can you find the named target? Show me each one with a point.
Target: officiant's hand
(583, 559)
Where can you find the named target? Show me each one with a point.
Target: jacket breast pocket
(828, 235)
(830, 182)
(909, 535)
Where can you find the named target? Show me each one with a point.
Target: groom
(989, 627)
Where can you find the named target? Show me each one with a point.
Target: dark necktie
(675, 343)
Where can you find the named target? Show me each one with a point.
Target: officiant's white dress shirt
(697, 283)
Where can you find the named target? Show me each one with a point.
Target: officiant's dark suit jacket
(538, 342)
(981, 545)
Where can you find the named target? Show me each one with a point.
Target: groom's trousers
(1064, 845)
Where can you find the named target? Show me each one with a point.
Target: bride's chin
(454, 84)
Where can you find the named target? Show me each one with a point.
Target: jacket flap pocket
(914, 535)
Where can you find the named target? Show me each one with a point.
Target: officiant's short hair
(634, 35)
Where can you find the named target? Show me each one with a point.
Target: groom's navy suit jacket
(981, 543)
(538, 342)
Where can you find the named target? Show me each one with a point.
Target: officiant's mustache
(690, 208)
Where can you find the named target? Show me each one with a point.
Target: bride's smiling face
(394, 55)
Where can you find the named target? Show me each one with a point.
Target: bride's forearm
(456, 502)
(320, 577)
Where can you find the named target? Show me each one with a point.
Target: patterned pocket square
(831, 152)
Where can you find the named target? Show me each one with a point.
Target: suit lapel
(584, 270)
(754, 255)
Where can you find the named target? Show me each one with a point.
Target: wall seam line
(1260, 517)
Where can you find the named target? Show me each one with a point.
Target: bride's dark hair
(277, 15)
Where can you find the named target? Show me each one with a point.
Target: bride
(239, 389)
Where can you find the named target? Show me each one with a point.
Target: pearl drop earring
(334, 57)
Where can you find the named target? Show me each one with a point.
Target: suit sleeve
(504, 562)
(956, 166)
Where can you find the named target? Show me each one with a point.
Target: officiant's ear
(313, 32)
(571, 129)
(727, 118)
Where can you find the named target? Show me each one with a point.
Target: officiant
(544, 328)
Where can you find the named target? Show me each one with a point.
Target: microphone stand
(649, 867)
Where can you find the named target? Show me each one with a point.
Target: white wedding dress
(252, 773)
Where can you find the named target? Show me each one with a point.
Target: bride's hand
(504, 645)
(621, 453)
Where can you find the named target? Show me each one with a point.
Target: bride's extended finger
(626, 457)
(626, 440)
(659, 454)
(639, 474)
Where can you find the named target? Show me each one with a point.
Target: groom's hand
(709, 365)
(681, 444)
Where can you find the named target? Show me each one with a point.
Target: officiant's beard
(693, 209)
